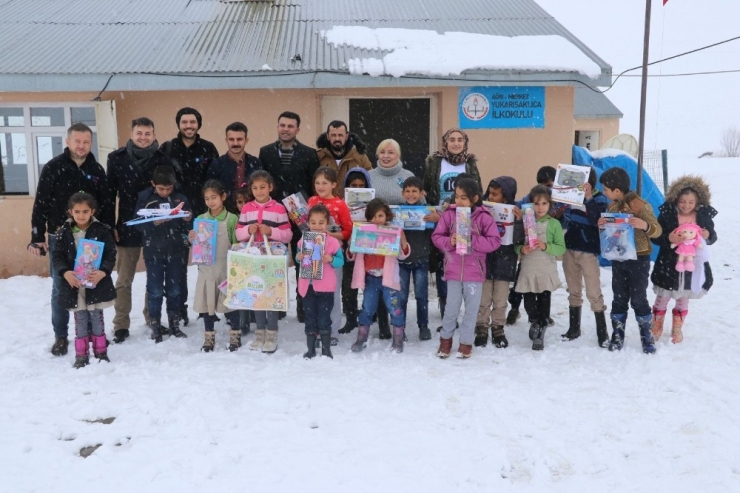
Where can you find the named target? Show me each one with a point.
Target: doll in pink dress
(686, 250)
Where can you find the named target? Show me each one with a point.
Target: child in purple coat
(465, 274)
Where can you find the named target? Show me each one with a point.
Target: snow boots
(183, 317)
(326, 344)
(658, 321)
(445, 346)
(481, 336)
(100, 347)
(538, 341)
(645, 323)
(156, 327)
(120, 335)
(174, 323)
(618, 322)
(81, 352)
(351, 323)
(464, 351)
(499, 337)
(271, 341)
(210, 341)
(311, 345)
(60, 346)
(602, 334)
(574, 327)
(424, 333)
(235, 339)
(259, 340)
(398, 337)
(362, 334)
(676, 332)
(513, 316)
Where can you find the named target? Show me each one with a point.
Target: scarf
(138, 155)
(393, 170)
(463, 157)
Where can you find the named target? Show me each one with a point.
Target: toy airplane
(148, 215)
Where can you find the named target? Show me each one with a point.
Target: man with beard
(233, 168)
(190, 156)
(129, 172)
(292, 166)
(75, 170)
(342, 151)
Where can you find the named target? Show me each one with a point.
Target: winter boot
(156, 330)
(351, 323)
(602, 334)
(513, 316)
(183, 317)
(100, 347)
(120, 335)
(209, 342)
(271, 341)
(397, 346)
(678, 318)
(311, 344)
(362, 332)
(81, 352)
(445, 346)
(442, 306)
(645, 323)
(235, 340)
(538, 343)
(424, 333)
(60, 346)
(464, 351)
(259, 340)
(658, 321)
(574, 329)
(174, 323)
(326, 345)
(499, 337)
(618, 322)
(534, 329)
(481, 336)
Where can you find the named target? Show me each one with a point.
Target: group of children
(480, 279)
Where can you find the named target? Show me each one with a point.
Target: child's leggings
(234, 318)
(94, 317)
(538, 304)
(661, 303)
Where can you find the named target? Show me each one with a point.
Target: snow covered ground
(571, 418)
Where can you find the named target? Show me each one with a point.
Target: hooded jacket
(501, 263)
(361, 170)
(63, 260)
(664, 273)
(354, 156)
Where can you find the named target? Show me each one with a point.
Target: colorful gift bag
(617, 237)
(462, 231)
(256, 281)
(530, 224)
(503, 215)
(411, 217)
(378, 240)
(88, 259)
(204, 244)
(312, 248)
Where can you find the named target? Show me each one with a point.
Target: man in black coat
(292, 166)
(129, 172)
(75, 170)
(233, 168)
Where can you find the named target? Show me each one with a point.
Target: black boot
(351, 323)
(499, 337)
(442, 306)
(60, 346)
(384, 327)
(156, 327)
(601, 332)
(311, 345)
(618, 322)
(538, 343)
(645, 323)
(513, 316)
(574, 329)
(184, 316)
(326, 345)
(481, 336)
(120, 335)
(174, 323)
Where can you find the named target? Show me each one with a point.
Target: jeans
(629, 286)
(374, 289)
(59, 314)
(164, 274)
(266, 320)
(209, 321)
(317, 307)
(420, 272)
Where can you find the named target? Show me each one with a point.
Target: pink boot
(680, 266)
(100, 347)
(677, 330)
(658, 320)
(81, 352)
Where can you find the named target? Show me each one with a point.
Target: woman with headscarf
(442, 169)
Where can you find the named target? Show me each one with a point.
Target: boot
(259, 340)
(81, 352)
(481, 336)
(120, 335)
(445, 346)
(235, 340)
(538, 343)
(271, 341)
(645, 323)
(209, 342)
(442, 306)
(156, 330)
(183, 317)
(351, 323)
(574, 329)
(424, 333)
(678, 318)
(513, 316)
(464, 351)
(602, 334)
(326, 344)
(618, 322)
(534, 329)
(60, 346)
(658, 321)
(384, 327)
(397, 346)
(174, 323)
(100, 347)
(311, 344)
(499, 337)
(361, 343)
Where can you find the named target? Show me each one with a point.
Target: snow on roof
(418, 51)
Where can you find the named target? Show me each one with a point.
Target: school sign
(502, 107)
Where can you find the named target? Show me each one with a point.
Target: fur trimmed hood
(695, 183)
(352, 141)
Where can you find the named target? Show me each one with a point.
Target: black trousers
(538, 306)
(630, 280)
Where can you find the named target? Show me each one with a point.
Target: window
(32, 134)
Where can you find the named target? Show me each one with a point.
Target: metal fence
(656, 165)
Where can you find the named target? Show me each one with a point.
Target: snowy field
(572, 418)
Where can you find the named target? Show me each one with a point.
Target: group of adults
(196, 160)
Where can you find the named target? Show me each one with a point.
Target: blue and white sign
(502, 107)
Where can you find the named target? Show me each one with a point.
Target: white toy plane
(147, 215)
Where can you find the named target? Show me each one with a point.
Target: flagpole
(643, 95)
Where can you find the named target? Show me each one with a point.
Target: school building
(504, 70)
